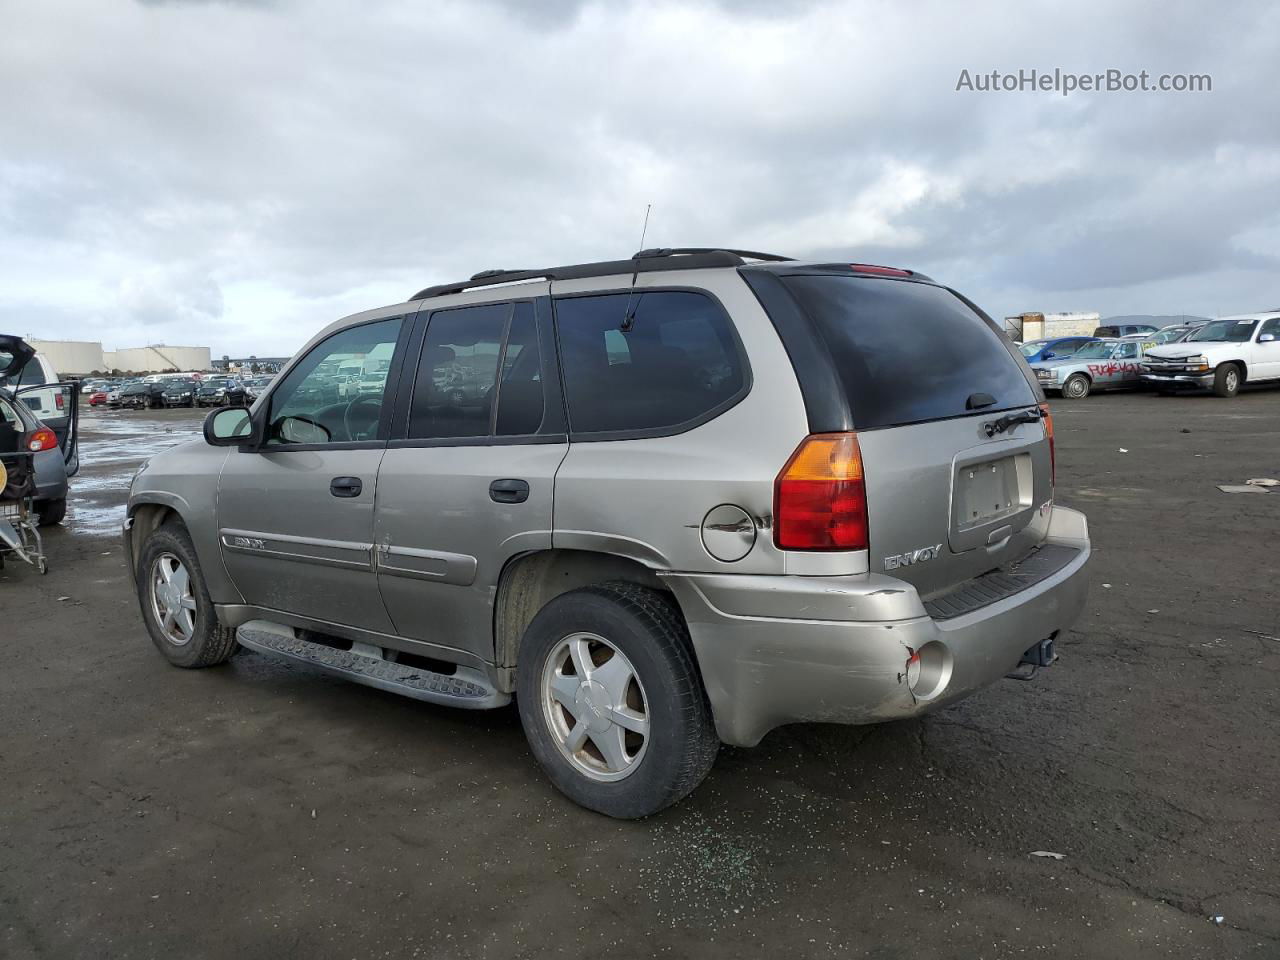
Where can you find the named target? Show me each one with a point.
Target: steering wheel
(346, 414)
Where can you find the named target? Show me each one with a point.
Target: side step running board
(365, 663)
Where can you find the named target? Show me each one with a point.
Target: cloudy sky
(238, 174)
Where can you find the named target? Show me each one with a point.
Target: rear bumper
(51, 475)
(785, 649)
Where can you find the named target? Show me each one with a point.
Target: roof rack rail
(646, 261)
(673, 251)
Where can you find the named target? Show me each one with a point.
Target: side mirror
(1266, 338)
(228, 427)
(1049, 355)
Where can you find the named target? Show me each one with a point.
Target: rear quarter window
(674, 363)
(908, 352)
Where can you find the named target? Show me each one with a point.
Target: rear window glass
(909, 352)
(677, 361)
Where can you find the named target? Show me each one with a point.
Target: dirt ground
(259, 810)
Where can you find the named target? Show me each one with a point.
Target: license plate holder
(988, 491)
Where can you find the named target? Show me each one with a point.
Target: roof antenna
(629, 318)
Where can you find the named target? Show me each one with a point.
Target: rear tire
(51, 512)
(169, 580)
(1226, 380)
(580, 634)
(1076, 387)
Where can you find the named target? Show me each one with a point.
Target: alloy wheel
(173, 604)
(595, 707)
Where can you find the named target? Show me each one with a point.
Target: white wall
(71, 357)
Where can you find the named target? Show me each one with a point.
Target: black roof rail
(673, 251)
(645, 262)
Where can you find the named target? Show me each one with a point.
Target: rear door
(467, 480)
(954, 489)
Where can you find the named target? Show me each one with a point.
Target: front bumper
(784, 649)
(1178, 379)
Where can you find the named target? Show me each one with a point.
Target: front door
(295, 517)
(1264, 364)
(467, 482)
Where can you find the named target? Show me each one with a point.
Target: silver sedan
(1101, 365)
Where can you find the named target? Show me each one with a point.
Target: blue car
(1054, 348)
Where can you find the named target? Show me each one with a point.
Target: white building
(70, 357)
(79, 357)
(157, 358)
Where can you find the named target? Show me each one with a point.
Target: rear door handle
(509, 491)
(345, 486)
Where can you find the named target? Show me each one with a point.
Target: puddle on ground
(113, 445)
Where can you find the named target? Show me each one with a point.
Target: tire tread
(219, 642)
(668, 627)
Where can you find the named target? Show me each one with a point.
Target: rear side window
(480, 374)
(32, 374)
(909, 352)
(647, 362)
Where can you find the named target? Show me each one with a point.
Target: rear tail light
(819, 498)
(1048, 432)
(42, 439)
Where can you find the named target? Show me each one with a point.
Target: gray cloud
(251, 170)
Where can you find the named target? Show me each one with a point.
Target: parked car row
(1219, 355)
(181, 392)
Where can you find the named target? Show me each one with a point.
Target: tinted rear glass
(909, 352)
(676, 363)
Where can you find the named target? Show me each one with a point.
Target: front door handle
(509, 491)
(345, 486)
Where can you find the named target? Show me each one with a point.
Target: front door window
(337, 393)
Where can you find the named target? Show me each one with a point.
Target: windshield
(1230, 331)
(1168, 336)
(1096, 351)
(1033, 347)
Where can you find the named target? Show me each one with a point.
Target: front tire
(612, 702)
(1076, 387)
(175, 603)
(1226, 380)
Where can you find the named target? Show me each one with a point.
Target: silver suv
(663, 502)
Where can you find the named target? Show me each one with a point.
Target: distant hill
(1155, 321)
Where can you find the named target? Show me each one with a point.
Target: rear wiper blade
(1010, 419)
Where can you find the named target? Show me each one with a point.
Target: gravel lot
(262, 811)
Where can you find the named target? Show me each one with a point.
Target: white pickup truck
(1220, 356)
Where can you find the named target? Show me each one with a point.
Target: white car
(1219, 356)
